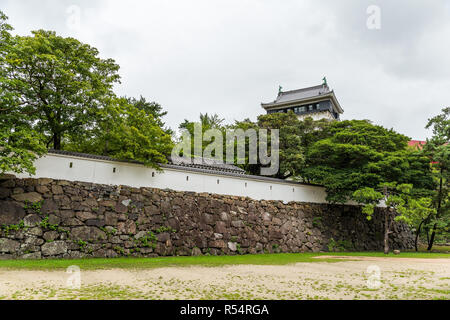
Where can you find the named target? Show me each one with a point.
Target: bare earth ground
(401, 278)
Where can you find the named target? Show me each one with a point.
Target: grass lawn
(212, 261)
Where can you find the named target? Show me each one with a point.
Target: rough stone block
(9, 246)
(54, 248)
(31, 197)
(11, 213)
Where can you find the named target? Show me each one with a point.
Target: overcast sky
(227, 57)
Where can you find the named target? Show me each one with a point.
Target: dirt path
(399, 279)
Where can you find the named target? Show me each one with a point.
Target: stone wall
(45, 218)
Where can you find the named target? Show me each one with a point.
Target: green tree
(126, 132)
(245, 125)
(153, 108)
(295, 137)
(438, 150)
(20, 144)
(415, 214)
(395, 199)
(356, 154)
(206, 122)
(60, 83)
(291, 152)
(359, 161)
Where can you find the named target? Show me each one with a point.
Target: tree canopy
(291, 152)
(57, 92)
(126, 132)
(60, 83)
(356, 154)
(151, 108)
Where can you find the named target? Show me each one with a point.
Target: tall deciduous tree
(294, 136)
(20, 144)
(60, 83)
(126, 132)
(399, 206)
(246, 126)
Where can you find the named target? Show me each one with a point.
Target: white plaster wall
(57, 166)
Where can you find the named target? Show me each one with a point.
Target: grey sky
(227, 57)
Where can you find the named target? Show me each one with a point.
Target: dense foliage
(355, 154)
(437, 149)
(291, 157)
(126, 132)
(60, 82)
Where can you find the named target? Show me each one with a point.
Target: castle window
(187, 178)
(71, 165)
(114, 170)
(153, 174)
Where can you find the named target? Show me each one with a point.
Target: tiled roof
(304, 95)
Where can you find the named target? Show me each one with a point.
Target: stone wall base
(45, 218)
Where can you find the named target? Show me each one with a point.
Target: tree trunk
(430, 245)
(386, 232)
(56, 141)
(417, 235)
(433, 233)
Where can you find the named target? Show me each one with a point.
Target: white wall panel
(57, 166)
